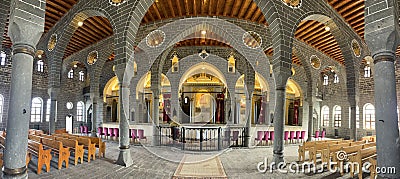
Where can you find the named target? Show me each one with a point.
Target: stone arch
(65, 35)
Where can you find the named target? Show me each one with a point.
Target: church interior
(199, 89)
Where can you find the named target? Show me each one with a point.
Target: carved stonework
(315, 62)
(155, 38)
(292, 3)
(52, 42)
(252, 40)
(356, 48)
(92, 57)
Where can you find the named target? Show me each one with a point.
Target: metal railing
(202, 138)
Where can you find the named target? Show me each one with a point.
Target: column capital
(53, 92)
(384, 57)
(23, 48)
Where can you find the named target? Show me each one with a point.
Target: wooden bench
(362, 155)
(60, 131)
(318, 147)
(74, 146)
(373, 166)
(87, 144)
(306, 147)
(98, 143)
(330, 152)
(58, 149)
(351, 150)
(35, 138)
(47, 136)
(44, 156)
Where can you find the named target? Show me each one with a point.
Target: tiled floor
(162, 162)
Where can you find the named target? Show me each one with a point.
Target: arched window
(81, 76)
(40, 66)
(357, 117)
(369, 116)
(336, 78)
(337, 116)
(79, 111)
(71, 74)
(36, 110)
(1, 107)
(3, 58)
(325, 116)
(367, 71)
(231, 64)
(175, 65)
(48, 107)
(326, 80)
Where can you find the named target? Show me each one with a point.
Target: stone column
(279, 125)
(156, 115)
(387, 128)
(53, 92)
(353, 120)
(247, 141)
(124, 157)
(310, 121)
(24, 31)
(94, 97)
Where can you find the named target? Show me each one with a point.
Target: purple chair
(105, 132)
(297, 136)
(141, 136)
(302, 136)
(291, 136)
(316, 135)
(266, 136)
(116, 132)
(85, 130)
(260, 136)
(323, 135)
(110, 132)
(81, 129)
(286, 136)
(134, 134)
(271, 136)
(100, 131)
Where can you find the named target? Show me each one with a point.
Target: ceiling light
(203, 32)
(203, 68)
(80, 23)
(39, 56)
(327, 28)
(75, 66)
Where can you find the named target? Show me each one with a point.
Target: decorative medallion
(356, 48)
(70, 105)
(315, 62)
(92, 57)
(203, 54)
(292, 3)
(252, 40)
(52, 42)
(155, 38)
(116, 2)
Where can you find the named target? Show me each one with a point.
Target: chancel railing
(202, 138)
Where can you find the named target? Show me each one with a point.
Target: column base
(278, 158)
(93, 134)
(20, 173)
(156, 140)
(124, 158)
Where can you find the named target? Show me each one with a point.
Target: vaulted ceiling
(313, 33)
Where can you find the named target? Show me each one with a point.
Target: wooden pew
(373, 166)
(306, 147)
(362, 155)
(74, 146)
(35, 138)
(318, 147)
(99, 144)
(60, 131)
(58, 149)
(44, 156)
(88, 145)
(47, 136)
(330, 152)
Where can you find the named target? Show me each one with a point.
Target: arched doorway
(260, 100)
(294, 103)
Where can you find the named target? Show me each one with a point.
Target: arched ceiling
(97, 28)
